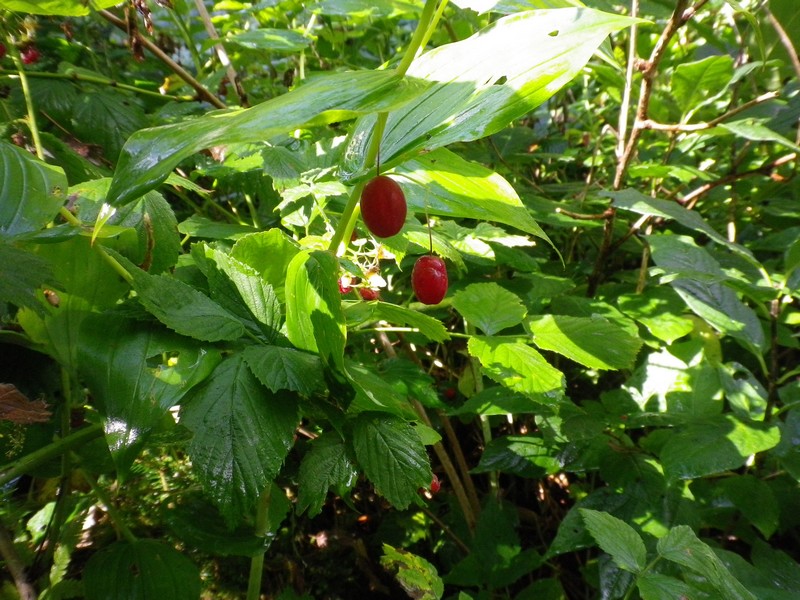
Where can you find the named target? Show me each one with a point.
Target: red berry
(436, 485)
(2, 50)
(344, 287)
(383, 207)
(30, 55)
(368, 293)
(429, 279)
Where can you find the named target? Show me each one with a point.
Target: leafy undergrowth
(218, 380)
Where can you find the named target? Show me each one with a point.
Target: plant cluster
(234, 361)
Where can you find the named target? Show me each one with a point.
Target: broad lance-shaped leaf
(314, 318)
(392, 455)
(595, 343)
(242, 434)
(451, 186)
(31, 191)
(135, 395)
(518, 367)
(141, 570)
(617, 538)
(483, 83)
(64, 8)
(681, 545)
(150, 154)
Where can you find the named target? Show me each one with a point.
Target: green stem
(111, 509)
(486, 427)
(26, 92)
(121, 271)
(42, 455)
(261, 530)
(350, 213)
(72, 75)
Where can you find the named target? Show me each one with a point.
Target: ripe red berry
(436, 485)
(368, 293)
(2, 50)
(30, 55)
(383, 206)
(429, 279)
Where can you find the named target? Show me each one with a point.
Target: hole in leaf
(553, 33)
(501, 81)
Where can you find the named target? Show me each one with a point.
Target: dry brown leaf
(15, 407)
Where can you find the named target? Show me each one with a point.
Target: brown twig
(15, 566)
(202, 91)
(785, 40)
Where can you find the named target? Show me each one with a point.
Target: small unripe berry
(429, 279)
(383, 207)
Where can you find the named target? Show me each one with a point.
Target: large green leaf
(314, 318)
(682, 546)
(271, 40)
(451, 186)
(654, 586)
(415, 575)
(64, 8)
(714, 445)
(758, 131)
(483, 83)
(698, 278)
(489, 307)
(131, 380)
(31, 191)
(21, 274)
(431, 328)
(106, 118)
(150, 154)
(521, 455)
(327, 465)
(695, 84)
(518, 367)
(594, 343)
(242, 434)
(617, 538)
(269, 253)
(286, 369)
(140, 570)
(392, 455)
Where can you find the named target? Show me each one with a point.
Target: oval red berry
(429, 279)
(383, 207)
(30, 55)
(368, 293)
(436, 485)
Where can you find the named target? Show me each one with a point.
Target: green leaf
(140, 570)
(256, 294)
(269, 253)
(374, 393)
(715, 445)
(521, 455)
(640, 204)
(489, 307)
(184, 309)
(133, 380)
(106, 118)
(496, 558)
(31, 191)
(660, 309)
(64, 8)
(755, 499)
(314, 317)
(201, 227)
(198, 523)
(593, 342)
(682, 546)
(757, 131)
(150, 154)
(450, 186)
(392, 455)
(431, 328)
(286, 369)
(518, 367)
(473, 94)
(416, 576)
(654, 586)
(617, 538)
(271, 40)
(497, 400)
(698, 278)
(326, 465)
(21, 275)
(696, 84)
(242, 434)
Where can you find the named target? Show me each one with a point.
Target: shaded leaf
(326, 465)
(617, 538)
(416, 576)
(281, 368)
(140, 570)
(392, 455)
(242, 434)
(524, 456)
